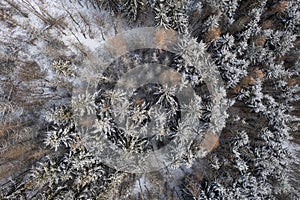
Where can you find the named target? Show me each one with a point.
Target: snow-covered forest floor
(77, 74)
